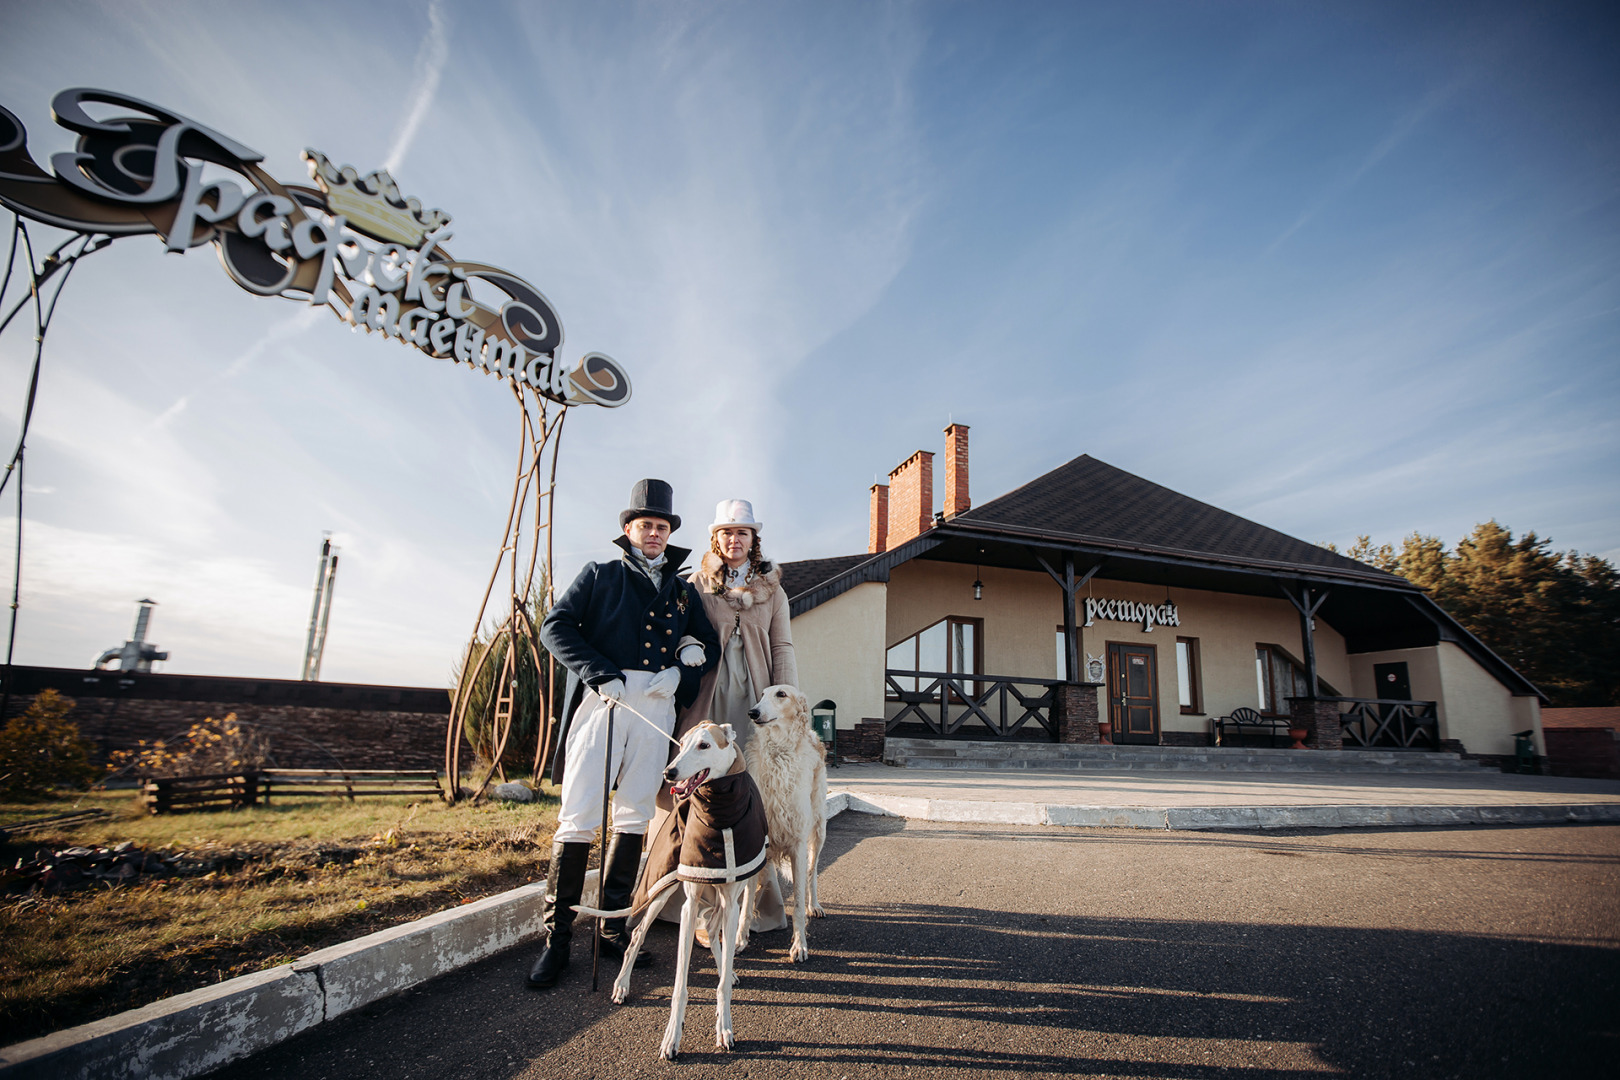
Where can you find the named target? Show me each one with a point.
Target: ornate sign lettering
(1130, 611)
(351, 242)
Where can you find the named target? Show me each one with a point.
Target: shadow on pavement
(922, 989)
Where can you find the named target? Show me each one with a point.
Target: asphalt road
(981, 951)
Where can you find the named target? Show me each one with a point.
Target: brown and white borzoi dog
(790, 767)
(712, 846)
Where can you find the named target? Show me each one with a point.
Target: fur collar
(710, 576)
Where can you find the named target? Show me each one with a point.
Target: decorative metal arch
(354, 244)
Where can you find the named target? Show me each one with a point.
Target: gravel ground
(980, 951)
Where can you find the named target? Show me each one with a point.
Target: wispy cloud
(425, 75)
(1401, 130)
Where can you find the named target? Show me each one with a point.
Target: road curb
(1222, 817)
(193, 1033)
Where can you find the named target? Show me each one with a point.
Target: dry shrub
(209, 747)
(41, 750)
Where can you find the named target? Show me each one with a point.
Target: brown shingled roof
(1096, 503)
(806, 574)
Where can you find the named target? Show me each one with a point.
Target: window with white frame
(1189, 679)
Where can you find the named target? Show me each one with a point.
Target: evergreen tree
(1554, 617)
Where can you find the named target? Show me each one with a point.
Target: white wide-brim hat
(734, 514)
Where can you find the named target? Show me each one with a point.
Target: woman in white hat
(743, 598)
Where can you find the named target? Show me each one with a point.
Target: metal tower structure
(134, 654)
(320, 612)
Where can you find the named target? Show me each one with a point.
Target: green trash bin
(824, 722)
(1524, 751)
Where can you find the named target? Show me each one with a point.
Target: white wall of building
(1473, 707)
(839, 647)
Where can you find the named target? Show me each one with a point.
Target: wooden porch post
(1070, 585)
(1071, 642)
(1307, 608)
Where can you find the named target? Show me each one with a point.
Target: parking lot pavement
(984, 951)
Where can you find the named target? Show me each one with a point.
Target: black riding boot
(564, 883)
(618, 889)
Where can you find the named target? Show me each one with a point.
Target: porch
(967, 706)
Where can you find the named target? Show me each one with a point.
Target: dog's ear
(730, 733)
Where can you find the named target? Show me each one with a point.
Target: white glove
(664, 684)
(691, 655)
(612, 690)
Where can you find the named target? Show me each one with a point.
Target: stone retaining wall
(310, 725)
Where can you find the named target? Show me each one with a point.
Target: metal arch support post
(540, 431)
(43, 316)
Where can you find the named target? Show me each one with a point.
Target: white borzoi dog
(708, 755)
(790, 768)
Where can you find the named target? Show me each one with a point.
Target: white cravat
(654, 567)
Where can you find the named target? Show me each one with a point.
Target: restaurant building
(1090, 604)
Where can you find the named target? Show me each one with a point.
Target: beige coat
(760, 610)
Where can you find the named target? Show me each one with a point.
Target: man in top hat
(629, 631)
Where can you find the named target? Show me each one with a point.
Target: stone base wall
(1591, 752)
(1506, 762)
(1074, 712)
(1320, 719)
(1184, 738)
(863, 742)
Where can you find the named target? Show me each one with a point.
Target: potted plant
(1298, 735)
(1105, 731)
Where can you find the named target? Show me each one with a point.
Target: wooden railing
(944, 701)
(1389, 723)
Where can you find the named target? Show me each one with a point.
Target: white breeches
(637, 769)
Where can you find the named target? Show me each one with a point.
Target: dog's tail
(598, 913)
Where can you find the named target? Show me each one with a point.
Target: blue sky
(1339, 268)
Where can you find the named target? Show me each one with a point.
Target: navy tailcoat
(611, 620)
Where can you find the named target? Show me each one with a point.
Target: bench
(349, 782)
(168, 794)
(1233, 725)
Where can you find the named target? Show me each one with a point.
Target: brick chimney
(877, 534)
(911, 502)
(956, 470)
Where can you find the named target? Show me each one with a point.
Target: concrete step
(931, 754)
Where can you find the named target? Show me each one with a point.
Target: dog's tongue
(689, 785)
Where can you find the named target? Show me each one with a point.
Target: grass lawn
(283, 881)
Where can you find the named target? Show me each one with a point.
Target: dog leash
(614, 703)
(607, 784)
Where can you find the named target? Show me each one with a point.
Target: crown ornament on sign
(372, 204)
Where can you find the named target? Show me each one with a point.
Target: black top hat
(651, 498)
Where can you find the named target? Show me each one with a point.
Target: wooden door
(1133, 699)
(1393, 681)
